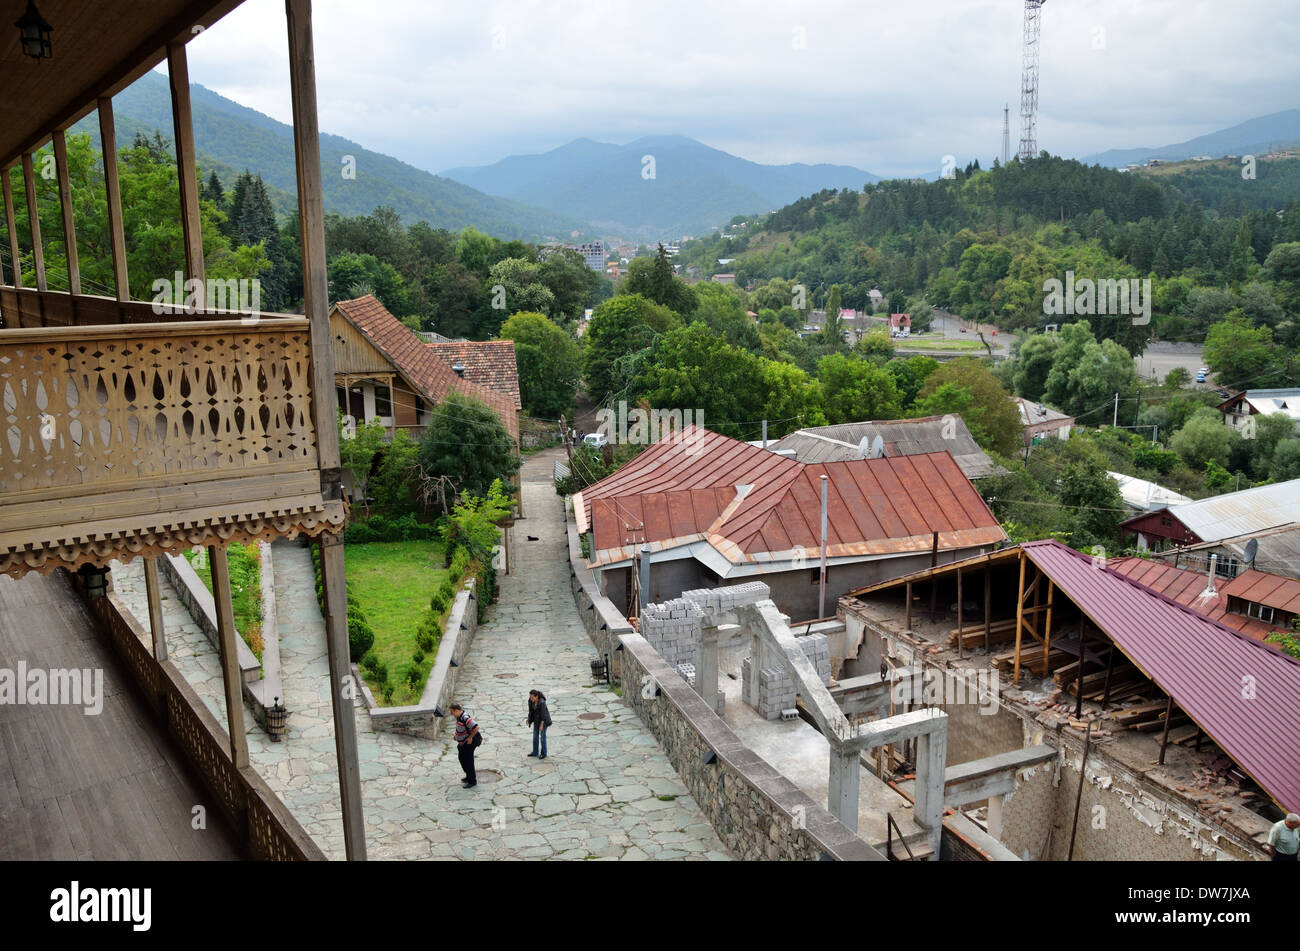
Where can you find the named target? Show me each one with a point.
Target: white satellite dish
(877, 447)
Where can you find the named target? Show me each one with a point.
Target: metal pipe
(645, 578)
(1087, 744)
(764, 434)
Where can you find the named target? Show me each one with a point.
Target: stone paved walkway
(605, 792)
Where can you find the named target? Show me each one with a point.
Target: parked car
(595, 440)
(1200, 375)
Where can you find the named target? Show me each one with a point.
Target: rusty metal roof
(1264, 588)
(900, 437)
(1186, 587)
(1243, 693)
(753, 505)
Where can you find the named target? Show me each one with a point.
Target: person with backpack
(468, 738)
(539, 718)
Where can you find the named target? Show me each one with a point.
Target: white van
(595, 440)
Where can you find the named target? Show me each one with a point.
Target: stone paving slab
(606, 791)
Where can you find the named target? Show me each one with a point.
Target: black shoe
(468, 785)
(543, 756)
(532, 754)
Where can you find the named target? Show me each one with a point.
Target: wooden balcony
(149, 437)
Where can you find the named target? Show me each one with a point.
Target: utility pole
(1115, 422)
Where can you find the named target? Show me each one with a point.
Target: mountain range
(653, 187)
(229, 138)
(1251, 137)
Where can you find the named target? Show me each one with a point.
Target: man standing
(1284, 838)
(467, 740)
(539, 717)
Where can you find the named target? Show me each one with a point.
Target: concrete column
(842, 794)
(755, 665)
(931, 753)
(995, 817)
(706, 668)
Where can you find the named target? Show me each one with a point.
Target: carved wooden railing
(28, 307)
(260, 821)
(130, 438)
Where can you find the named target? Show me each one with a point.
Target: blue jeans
(537, 730)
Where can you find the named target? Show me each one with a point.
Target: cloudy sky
(890, 87)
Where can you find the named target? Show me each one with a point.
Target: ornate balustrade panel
(124, 438)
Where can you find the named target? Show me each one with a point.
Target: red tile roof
(1265, 588)
(1243, 693)
(422, 368)
(489, 363)
(1185, 587)
(753, 505)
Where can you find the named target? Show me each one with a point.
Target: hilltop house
(1040, 421)
(714, 510)
(383, 371)
(1240, 407)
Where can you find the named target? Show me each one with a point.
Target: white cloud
(887, 87)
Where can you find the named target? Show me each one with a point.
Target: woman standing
(539, 718)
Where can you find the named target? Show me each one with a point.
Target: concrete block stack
(673, 629)
(818, 652)
(715, 601)
(687, 672)
(776, 692)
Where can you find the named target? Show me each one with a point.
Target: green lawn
(393, 581)
(246, 589)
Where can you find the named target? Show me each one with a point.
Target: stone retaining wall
(757, 812)
(426, 718)
(198, 601)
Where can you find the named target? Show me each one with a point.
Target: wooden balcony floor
(72, 786)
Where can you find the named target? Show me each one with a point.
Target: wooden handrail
(195, 328)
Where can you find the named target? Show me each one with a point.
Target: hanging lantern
(34, 33)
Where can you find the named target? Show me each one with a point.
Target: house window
(383, 401)
(1165, 520)
(1226, 567)
(1261, 611)
(816, 574)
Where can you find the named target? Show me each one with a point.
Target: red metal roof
(1243, 693)
(1185, 587)
(418, 362)
(1265, 588)
(750, 503)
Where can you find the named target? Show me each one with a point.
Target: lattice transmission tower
(1029, 81)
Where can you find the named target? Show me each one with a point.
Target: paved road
(606, 791)
(1161, 357)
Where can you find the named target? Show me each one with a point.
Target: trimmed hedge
(360, 634)
(379, 528)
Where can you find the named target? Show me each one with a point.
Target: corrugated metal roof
(1144, 495)
(1240, 513)
(901, 437)
(688, 488)
(1264, 588)
(1186, 587)
(1244, 694)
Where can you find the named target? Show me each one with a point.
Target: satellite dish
(1252, 549)
(877, 446)
(864, 447)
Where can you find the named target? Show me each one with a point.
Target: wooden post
(226, 638)
(113, 198)
(311, 228)
(1020, 617)
(907, 617)
(34, 222)
(1164, 735)
(155, 609)
(1078, 687)
(1078, 797)
(15, 256)
(1110, 669)
(65, 205)
(1047, 627)
(961, 636)
(934, 580)
(186, 170)
(988, 601)
(342, 693)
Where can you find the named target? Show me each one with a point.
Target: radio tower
(1006, 134)
(1029, 81)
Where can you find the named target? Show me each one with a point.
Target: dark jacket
(541, 714)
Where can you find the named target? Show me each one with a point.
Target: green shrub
(360, 635)
(447, 591)
(425, 641)
(418, 656)
(369, 663)
(387, 691)
(460, 562)
(379, 528)
(413, 677)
